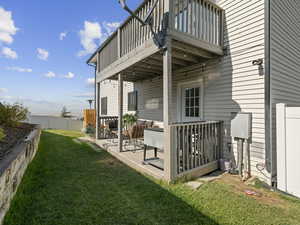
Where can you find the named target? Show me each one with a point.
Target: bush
(90, 130)
(12, 115)
(2, 135)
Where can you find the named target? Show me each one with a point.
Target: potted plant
(129, 120)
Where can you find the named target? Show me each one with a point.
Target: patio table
(154, 137)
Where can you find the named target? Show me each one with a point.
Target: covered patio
(191, 145)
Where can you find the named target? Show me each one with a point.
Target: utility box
(241, 125)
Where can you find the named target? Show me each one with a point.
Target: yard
(70, 183)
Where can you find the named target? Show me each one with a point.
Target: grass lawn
(70, 183)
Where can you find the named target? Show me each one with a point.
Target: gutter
(269, 157)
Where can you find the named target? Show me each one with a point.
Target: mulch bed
(14, 135)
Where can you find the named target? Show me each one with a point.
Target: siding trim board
(283, 41)
(268, 104)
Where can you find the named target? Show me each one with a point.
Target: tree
(12, 115)
(2, 134)
(64, 113)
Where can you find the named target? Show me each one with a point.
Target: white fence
(288, 148)
(57, 123)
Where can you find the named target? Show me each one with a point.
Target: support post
(120, 116)
(169, 155)
(97, 110)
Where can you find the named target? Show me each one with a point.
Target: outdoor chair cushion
(113, 124)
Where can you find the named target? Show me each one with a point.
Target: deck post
(169, 160)
(97, 109)
(120, 116)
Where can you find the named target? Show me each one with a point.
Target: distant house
(109, 97)
(218, 58)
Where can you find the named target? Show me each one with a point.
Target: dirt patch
(109, 161)
(261, 195)
(13, 136)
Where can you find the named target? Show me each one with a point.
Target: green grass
(69, 183)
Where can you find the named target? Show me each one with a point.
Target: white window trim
(197, 82)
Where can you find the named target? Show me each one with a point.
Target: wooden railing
(103, 126)
(109, 52)
(201, 19)
(196, 144)
(133, 34)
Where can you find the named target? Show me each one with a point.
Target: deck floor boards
(133, 157)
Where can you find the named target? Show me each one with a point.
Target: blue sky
(44, 46)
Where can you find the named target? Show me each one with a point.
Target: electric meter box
(241, 125)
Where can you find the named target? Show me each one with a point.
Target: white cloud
(9, 53)
(88, 37)
(20, 69)
(50, 74)
(69, 75)
(110, 27)
(42, 54)
(6, 97)
(3, 90)
(84, 95)
(2, 96)
(90, 81)
(62, 35)
(7, 26)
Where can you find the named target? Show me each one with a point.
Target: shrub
(12, 115)
(89, 130)
(2, 135)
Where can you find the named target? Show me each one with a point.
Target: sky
(44, 46)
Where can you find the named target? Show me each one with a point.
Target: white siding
(284, 56)
(109, 89)
(232, 84)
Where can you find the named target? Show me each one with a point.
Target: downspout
(269, 161)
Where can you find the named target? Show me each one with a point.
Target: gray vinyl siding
(284, 57)
(109, 89)
(232, 84)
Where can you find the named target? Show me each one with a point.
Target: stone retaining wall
(13, 167)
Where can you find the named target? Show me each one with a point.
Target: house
(205, 62)
(109, 97)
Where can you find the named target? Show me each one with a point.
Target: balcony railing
(196, 144)
(133, 34)
(201, 19)
(197, 19)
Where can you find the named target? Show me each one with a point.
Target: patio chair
(111, 127)
(134, 134)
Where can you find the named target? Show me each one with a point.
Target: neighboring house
(109, 97)
(217, 59)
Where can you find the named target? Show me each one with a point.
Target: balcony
(193, 27)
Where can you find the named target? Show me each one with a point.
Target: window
(132, 101)
(104, 106)
(192, 98)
